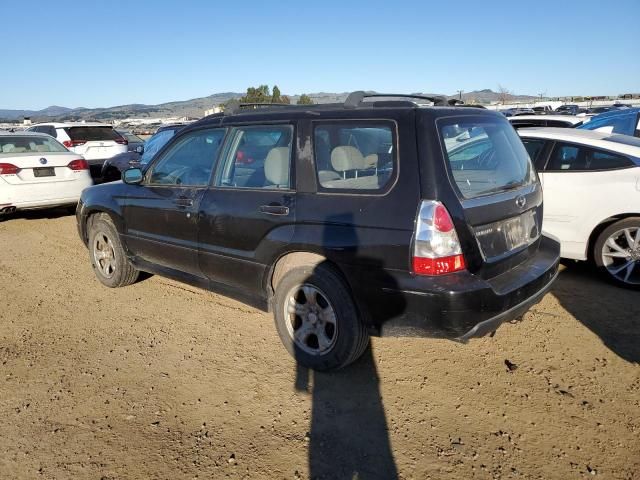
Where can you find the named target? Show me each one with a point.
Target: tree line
(263, 94)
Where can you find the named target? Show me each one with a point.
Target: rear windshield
(29, 144)
(485, 155)
(89, 134)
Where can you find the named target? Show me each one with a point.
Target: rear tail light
(8, 169)
(79, 164)
(436, 248)
(73, 143)
(120, 140)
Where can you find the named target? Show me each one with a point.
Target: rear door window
(89, 134)
(355, 156)
(568, 157)
(485, 155)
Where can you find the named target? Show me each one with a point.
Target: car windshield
(485, 155)
(155, 143)
(10, 145)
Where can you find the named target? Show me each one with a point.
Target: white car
(96, 142)
(36, 171)
(591, 184)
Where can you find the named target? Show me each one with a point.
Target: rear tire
(317, 320)
(616, 253)
(108, 258)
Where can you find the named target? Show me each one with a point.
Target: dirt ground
(162, 380)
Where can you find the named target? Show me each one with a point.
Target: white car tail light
(8, 169)
(79, 164)
(436, 248)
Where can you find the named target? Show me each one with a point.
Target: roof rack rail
(355, 99)
(234, 106)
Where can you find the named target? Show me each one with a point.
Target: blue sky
(95, 53)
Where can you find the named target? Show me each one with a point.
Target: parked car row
(623, 121)
(95, 142)
(306, 212)
(567, 109)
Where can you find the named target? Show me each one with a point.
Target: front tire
(108, 258)
(616, 252)
(317, 319)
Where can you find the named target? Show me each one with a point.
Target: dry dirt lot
(162, 380)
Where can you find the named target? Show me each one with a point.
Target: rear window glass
(485, 155)
(89, 134)
(354, 155)
(29, 144)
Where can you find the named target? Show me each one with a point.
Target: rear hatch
(95, 143)
(499, 196)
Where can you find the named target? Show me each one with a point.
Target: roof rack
(355, 99)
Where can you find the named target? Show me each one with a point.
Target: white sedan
(591, 183)
(36, 171)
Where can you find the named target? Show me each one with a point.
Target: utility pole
(460, 94)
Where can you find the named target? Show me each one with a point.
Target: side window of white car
(566, 157)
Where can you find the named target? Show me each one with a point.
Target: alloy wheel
(311, 320)
(104, 255)
(621, 255)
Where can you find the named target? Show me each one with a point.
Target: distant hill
(196, 106)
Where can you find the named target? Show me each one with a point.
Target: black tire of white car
(122, 273)
(351, 337)
(633, 224)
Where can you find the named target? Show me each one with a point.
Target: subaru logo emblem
(43, 161)
(521, 201)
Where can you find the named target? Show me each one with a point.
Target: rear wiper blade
(503, 188)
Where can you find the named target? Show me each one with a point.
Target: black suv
(369, 217)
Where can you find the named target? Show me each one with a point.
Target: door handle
(274, 209)
(183, 202)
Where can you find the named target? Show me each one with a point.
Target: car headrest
(276, 166)
(345, 158)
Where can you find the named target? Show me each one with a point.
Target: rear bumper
(461, 306)
(487, 326)
(42, 195)
(54, 202)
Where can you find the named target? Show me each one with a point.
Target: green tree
(257, 95)
(305, 100)
(276, 98)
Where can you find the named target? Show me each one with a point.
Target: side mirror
(140, 149)
(132, 176)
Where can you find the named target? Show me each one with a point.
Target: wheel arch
(600, 227)
(91, 215)
(297, 258)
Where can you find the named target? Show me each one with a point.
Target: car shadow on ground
(41, 214)
(611, 312)
(348, 438)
